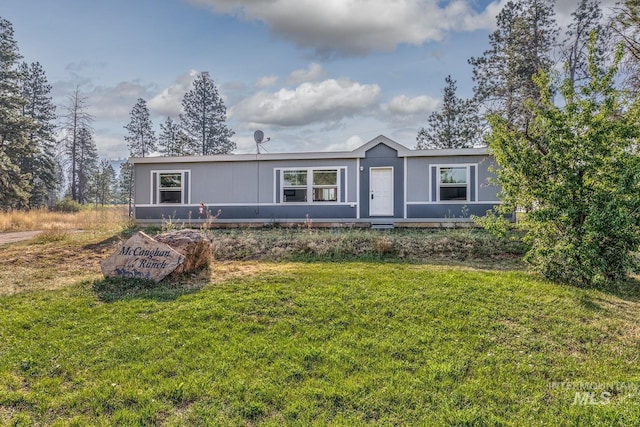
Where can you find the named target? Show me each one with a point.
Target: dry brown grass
(54, 261)
(43, 219)
(61, 254)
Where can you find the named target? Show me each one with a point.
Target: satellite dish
(258, 136)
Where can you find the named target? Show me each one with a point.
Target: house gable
(400, 149)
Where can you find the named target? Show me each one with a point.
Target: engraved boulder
(192, 244)
(142, 257)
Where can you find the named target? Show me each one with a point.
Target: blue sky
(314, 75)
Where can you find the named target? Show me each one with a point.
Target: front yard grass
(319, 343)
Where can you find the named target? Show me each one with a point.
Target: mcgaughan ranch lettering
(146, 258)
(142, 252)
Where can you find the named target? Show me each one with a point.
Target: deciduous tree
(578, 171)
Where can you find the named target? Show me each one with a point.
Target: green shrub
(67, 205)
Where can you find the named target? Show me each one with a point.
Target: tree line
(47, 154)
(528, 41)
(201, 129)
(43, 154)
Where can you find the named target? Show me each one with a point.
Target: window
(453, 183)
(310, 185)
(294, 185)
(325, 185)
(170, 187)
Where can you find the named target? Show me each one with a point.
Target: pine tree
(587, 19)
(141, 138)
(520, 47)
(172, 140)
(626, 26)
(456, 125)
(15, 186)
(105, 183)
(41, 111)
(204, 118)
(125, 185)
(77, 129)
(86, 161)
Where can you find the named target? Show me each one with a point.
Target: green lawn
(342, 343)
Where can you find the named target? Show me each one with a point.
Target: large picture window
(310, 185)
(453, 183)
(170, 187)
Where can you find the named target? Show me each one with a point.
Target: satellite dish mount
(258, 136)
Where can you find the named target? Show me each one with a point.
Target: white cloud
(115, 102)
(266, 81)
(349, 27)
(402, 104)
(312, 74)
(324, 102)
(349, 144)
(110, 145)
(244, 144)
(402, 109)
(564, 8)
(169, 101)
(485, 20)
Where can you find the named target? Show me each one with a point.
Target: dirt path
(17, 236)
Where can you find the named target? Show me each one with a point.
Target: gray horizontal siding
(422, 179)
(237, 182)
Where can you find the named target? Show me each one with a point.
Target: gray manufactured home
(380, 183)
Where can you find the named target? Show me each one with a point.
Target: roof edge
(359, 152)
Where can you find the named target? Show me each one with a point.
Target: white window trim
(467, 167)
(358, 172)
(310, 186)
(404, 188)
(182, 180)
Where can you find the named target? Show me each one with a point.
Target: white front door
(381, 192)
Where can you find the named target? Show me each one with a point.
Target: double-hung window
(170, 188)
(453, 183)
(325, 185)
(310, 185)
(294, 186)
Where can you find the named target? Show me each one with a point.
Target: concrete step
(381, 226)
